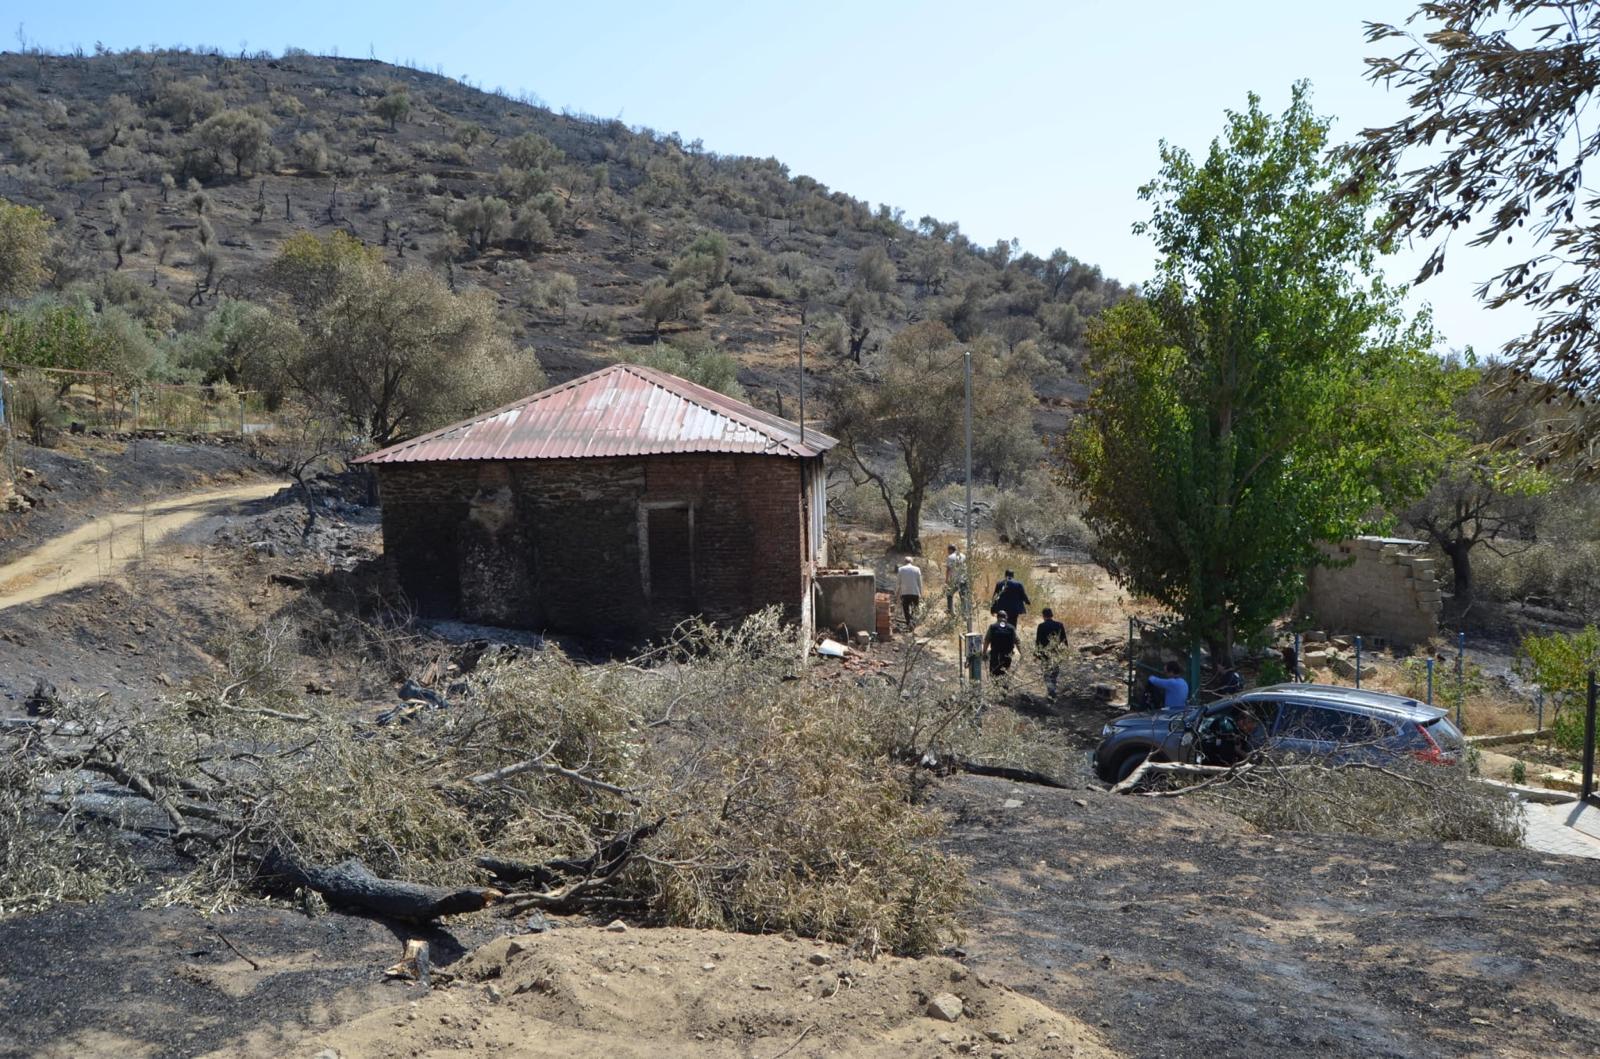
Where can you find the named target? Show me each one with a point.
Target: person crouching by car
(1174, 690)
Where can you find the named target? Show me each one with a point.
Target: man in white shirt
(910, 578)
(955, 579)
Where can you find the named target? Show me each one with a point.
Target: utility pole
(802, 376)
(974, 653)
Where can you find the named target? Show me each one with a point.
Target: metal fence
(38, 400)
(1145, 638)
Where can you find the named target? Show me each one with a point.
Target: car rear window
(1447, 735)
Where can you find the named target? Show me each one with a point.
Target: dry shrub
(784, 810)
(1405, 800)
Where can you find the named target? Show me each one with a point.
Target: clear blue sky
(1034, 119)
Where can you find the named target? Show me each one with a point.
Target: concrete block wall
(556, 544)
(1386, 588)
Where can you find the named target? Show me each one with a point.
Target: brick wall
(556, 544)
(1387, 588)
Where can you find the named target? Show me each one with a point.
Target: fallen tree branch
(483, 779)
(952, 763)
(350, 883)
(590, 874)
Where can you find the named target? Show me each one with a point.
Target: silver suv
(1307, 720)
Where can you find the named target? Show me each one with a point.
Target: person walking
(1049, 641)
(1174, 690)
(910, 583)
(1011, 597)
(999, 643)
(955, 580)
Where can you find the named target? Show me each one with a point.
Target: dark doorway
(670, 547)
(432, 574)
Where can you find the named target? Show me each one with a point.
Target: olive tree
(910, 409)
(24, 241)
(1495, 142)
(238, 134)
(393, 107)
(390, 353)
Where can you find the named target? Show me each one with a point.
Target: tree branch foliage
(1495, 142)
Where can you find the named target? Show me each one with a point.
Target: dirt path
(103, 547)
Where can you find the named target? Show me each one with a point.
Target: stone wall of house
(1385, 588)
(557, 544)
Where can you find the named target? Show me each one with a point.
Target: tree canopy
(24, 238)
(914, 405)
(391, 353)
(1495, 142)
(1268, 397)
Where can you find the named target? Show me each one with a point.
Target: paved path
(104, 546)
(1556, 829)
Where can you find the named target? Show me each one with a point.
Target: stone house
(610, 506)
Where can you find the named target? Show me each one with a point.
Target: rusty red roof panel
(622, 410)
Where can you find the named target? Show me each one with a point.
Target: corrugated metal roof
(622, 410)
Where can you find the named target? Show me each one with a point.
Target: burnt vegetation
(173, 178)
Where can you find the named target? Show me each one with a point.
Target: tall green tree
(1268, 397)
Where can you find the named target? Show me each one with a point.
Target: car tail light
(1433, 753)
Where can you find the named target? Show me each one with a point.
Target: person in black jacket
(1011, 597)
(1050, 640)
(999, 643)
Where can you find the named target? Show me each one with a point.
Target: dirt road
(103, 547)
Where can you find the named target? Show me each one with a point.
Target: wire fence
(1444, 677)
(39, 401)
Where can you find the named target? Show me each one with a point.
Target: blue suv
(1305, 720)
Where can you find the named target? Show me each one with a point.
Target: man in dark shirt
(1050, 640)
(1010, 597)
(999, 643)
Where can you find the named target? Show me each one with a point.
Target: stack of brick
(1383, 587)
(883, 603)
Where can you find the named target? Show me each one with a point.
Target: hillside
(174, 177)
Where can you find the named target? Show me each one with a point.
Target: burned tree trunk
(350, 883)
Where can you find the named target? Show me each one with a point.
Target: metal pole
(977, 669)
(1297, 646)
(1461, 685)
(1358, 661)
(1588, 742)
(241, 420)
(1430, 682)
(803, 377)
(1130, 662)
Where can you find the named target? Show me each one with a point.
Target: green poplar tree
(1268, 396)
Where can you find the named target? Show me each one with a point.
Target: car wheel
(1127, 763)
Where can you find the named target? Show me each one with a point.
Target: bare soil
(592, 993)
(1179, 931)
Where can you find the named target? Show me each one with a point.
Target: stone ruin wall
(1387, 588)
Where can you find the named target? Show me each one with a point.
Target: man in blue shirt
(1173, 688)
